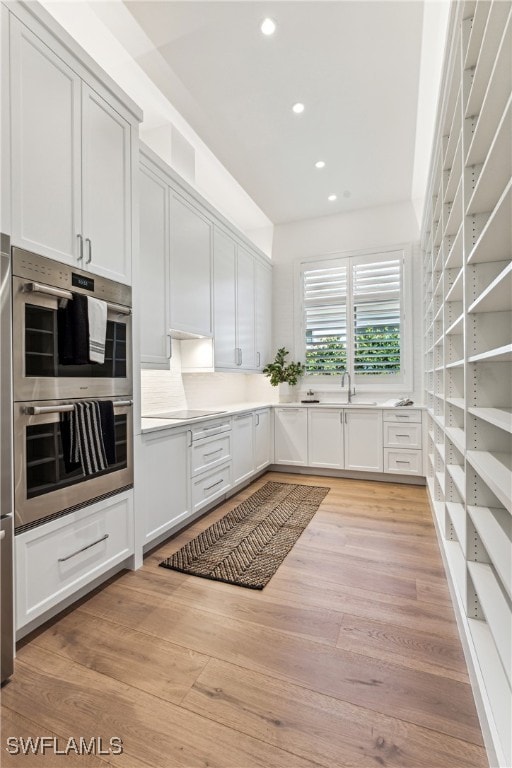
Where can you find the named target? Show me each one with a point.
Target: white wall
(357, 230)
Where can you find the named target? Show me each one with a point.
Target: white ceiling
(355, 65)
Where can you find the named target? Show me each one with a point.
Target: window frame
(395, 383)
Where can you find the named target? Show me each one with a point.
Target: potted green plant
(284, 375)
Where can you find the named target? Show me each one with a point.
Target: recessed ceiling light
(332, 198)
(320, 164)
(268, 26)
(298, 108)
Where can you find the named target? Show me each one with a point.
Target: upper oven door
(38, 374)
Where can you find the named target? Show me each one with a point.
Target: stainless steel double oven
(44, 388)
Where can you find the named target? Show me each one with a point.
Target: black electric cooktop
(183, 414)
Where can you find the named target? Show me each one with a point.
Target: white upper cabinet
(46, 149)
(71, 174)
(106, 188)
(363, 440)
(224, 282)
(245, 308)
(262, 313)
(153, 274)
(190, 276)
(242, 293)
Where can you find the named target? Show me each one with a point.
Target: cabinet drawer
(210, 485)
(402, 435)
(209, 453)
(56, 559)
(403, 462)
(401, 415)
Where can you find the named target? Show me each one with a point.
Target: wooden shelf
(495, 469)
(497, 297)
(494, 527)
(495, 241)
(455, 364)
(457, 437)
(496, 610)
(475, 37)
(496, 171)
(453, 135)
(487, 56)
(498, 355)
(454, 219)
(457, 327)
(456, 291)
(458, 476)
(499, 417)
(457, 401)
(454, 174)
(440, 449)
(455, 252)
(457, 515)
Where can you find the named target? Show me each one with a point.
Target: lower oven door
(43, 488)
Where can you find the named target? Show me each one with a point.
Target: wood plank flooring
(349, 657)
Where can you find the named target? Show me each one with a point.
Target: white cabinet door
(363, 440)
(245, 308)
(162, 488)
(106, 188)
(46, 149)
(291, 436)
(224, 296)
(154, 270)
(263, 313)
(191, 241)
(325, 438)
(262, 435)
(242, 451)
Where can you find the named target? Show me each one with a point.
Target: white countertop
(151, 424)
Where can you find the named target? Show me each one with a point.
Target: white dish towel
(97, 311)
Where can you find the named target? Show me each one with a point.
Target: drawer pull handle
(87, 546)
(209, 487)
(402, 462)
(402, 415)
(403, 435)
(212, 453)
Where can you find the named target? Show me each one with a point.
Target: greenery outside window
(353, 314)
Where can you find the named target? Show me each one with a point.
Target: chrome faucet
(350, 392)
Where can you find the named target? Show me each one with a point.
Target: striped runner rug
(248, 544)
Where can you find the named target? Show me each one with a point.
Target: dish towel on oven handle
(86, 438)
(97, 312)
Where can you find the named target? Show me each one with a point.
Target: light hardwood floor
(349, 657)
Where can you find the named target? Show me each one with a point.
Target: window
(353, 317)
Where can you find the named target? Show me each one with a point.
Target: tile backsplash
(163, 390)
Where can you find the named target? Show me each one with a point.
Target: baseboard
(383, 477)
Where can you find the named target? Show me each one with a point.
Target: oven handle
(38, 410)
(60, 294)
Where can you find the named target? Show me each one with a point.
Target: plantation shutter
(376, 317)
(325, 318)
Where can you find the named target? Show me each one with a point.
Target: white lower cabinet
(162, 485)
(363, 440)
(55, 560)
(325, 438)
(209, 485)
(243, 447)
(291, 436)
(262, 439)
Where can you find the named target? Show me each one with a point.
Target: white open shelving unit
(467, 293)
